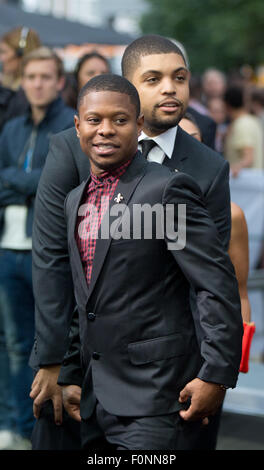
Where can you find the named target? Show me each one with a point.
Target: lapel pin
(175, 169)
(118, 198)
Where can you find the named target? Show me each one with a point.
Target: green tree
(219, 33)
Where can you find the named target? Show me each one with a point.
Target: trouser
(49, 436)
(104, 431)
(168, 432)
(7, 409)
(16, 337)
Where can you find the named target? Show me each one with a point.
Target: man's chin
(164, 123)
(106, 163)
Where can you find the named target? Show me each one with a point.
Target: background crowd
(33, 78)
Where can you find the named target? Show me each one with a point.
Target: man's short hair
(110, 82)
(234, 96)
(44, 53)
(146, 45)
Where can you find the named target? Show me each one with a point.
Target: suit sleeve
(210, 272)
(207, 126)
(218, 203)
(209, 134)
(52, 280)
(71, 370)
(8, 194)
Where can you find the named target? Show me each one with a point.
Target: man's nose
(168, 86)
(106, 128)
(37, 82)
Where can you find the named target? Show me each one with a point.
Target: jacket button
(91, 316)
(96, 356)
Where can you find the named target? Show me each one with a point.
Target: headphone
(22, 41)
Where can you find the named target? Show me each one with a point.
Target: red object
(249, 330)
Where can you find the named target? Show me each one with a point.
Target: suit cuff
(218, 375)
(70, 375)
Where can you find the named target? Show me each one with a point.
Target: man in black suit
(66, 167)
(158, 70)
(207, 126)
(134, 371)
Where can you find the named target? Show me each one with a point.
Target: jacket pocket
(164, 347)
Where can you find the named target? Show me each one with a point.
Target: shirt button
(96, 356)
(91, 316)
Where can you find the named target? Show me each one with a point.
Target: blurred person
(14, 45)
(195, 100)
(189, 124)
(217, 111)
(88, 66)
(239, 254)
(213, 84)
(238, 247)
(69, 91)
(6, 96)
(256, 103)
(256, 107)
(244, 138)
(158, 70)
(207, 124)
(23, 149)
(196, 107)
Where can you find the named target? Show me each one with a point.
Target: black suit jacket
(66, 166)
(206, 125)
(137, 334)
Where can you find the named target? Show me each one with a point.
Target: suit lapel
(180, 152)
(124, 191)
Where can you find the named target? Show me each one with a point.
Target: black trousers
(169, 432)
(48, 436)
(103, 431)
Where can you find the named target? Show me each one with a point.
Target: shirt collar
(52, 109)
(109, 177)
(165, 141)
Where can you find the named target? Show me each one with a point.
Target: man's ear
(77, 125)
(140, 123)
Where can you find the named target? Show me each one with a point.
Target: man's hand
(71, 400)
(45, 387)
(206, 397)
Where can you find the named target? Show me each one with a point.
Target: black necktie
(146, 146)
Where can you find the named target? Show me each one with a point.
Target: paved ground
(241, 432)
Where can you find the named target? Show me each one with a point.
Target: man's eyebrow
(160, 72)
(182, 69)
(98, 113)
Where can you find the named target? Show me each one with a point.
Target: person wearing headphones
(14, 45)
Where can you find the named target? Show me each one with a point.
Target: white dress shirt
(165, 145)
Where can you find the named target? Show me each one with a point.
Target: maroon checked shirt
(99, 192)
